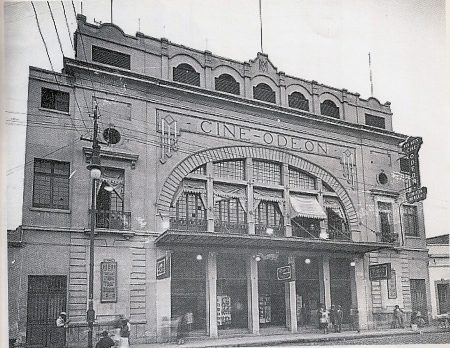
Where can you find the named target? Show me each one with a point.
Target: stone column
(291, 299)
(247, 81)
(359, 285)
(315, 98)
(210, 197)
(325, 284)
(208, 69)
(252, 295)
(211, 294)
(250, 208)
(287, 205)
(163, 303)
(165, 59)
(283, 97)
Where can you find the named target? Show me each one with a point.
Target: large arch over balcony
(191, 162)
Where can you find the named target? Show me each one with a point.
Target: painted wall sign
(392, 285)
(380, 271)
(108, 280)
(163, 267)
(285, 273)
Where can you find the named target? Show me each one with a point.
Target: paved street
(425, 338)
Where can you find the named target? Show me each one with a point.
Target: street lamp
(95, 171)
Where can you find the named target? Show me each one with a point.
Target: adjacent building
(229, 190)
(439, 269)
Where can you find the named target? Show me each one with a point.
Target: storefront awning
(306, 206)
(214, 240)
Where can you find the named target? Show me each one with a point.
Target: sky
(323, 40)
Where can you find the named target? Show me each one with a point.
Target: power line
(67, 24)
(56, 28)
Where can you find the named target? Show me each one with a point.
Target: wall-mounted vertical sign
(411, 149)
(392, 285)
(108, 280)
(163, 267)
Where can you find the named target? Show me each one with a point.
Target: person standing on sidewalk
(324, 319)
(333, 317)
(397, 318)
(354, 319)
(338, 317)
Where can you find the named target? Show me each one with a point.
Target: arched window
(227, 83)
(298, 101)
(263, 92)
(328, 108)
(186, 74)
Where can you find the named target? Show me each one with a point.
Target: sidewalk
(249, 340)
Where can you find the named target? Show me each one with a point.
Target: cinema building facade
(230, 190)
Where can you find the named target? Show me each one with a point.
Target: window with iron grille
(410, 220)
(267, 172)
(51, 184)
(190, 207)
(269, 214)
(298, 101)
(230, 169)
(201, 170)
(263, 92)
(386, 220)
(301, 180)
(229, 210)
(375, 121)
(227, 83)
(55, 100)
(404, 165)
(328, 108)
(186, 74)
(114, 58)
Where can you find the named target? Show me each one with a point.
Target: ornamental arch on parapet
(194, 161)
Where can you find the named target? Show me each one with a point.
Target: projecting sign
(108, 281)
(163, 268)
(380, 271)
(285, 274)
(412, 145)
(416, 195)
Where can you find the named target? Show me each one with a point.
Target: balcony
(388, 237)
(188, 224)
(112, 220)
(267, 230)
(230, 227)
(339, 234)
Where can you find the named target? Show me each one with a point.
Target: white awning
(306, 206)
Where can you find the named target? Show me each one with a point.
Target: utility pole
(95, 171)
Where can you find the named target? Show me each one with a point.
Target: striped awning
(306, 206)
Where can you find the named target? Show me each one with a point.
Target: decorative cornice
(114, 155)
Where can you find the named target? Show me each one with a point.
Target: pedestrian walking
(332, 317)
(354, 319)
(397, 320)
(338, 317)
(324, 319)
(105, 341)
(124, 334)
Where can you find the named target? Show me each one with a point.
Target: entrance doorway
(46, 300)
(231, 291)
(443, 291)
(188, 287)
(419, 297)
(272, 302)
(340, 283)
(308, 291)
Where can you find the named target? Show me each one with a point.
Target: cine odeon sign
(411, 149)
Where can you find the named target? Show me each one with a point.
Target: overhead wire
(56, 28)
(67, 24)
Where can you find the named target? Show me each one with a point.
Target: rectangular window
(375, 121)
(267, 172)
(51, 184)
(404, 165)
(105, 56)
(301, 180)
(55, 100)
(230, 169)
(410, 224)
(386, 221)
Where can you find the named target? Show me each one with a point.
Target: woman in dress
(124, 334)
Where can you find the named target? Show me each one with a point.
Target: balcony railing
(113, 220)
(230, 227)
(339, 234)
(389, 237)
(188, 224)
(267, 230)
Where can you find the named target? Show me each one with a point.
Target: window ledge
(413, 237)
(55, 111)
(51, 210)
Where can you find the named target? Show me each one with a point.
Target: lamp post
(95, 172)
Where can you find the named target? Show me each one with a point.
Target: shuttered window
(264, 92)
(105, 56)
(328, 108)
(298, 101)
(227, 83)
(411, 227)
(51, 184)
(55, 100)
(186, 74)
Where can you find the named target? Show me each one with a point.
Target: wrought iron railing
(188, 224)
(389, 237)
(111, 219)
(267, 230)
(339, 234)
(230, 227)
